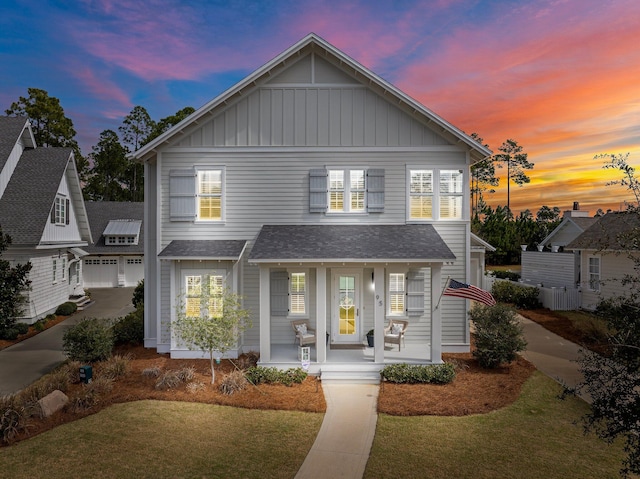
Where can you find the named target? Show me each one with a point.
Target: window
(298, 294)
(594, 273)
(59, 269)
(193, 289)
(347, 191)
(209, 195)
(134, 261)
(396, 294)
(60, 211)
(435, 194)
(55, 268)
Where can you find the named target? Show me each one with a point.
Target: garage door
(100, 273)
(133, 270)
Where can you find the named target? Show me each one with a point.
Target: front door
(346, 308)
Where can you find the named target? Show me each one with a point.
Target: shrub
(523, 297)
(195, 386)
(138, 295)
(88, 341)
(419, 373)
(39, 325)
(9, 334)
(169, 380)
(510, 275)
(90, 394)
(152, 372)
(248, 360)
(14, 418)
(50, 317)
(67, 309)
(23, 328)
(258, 375)
(233, 382)
(129, 329)
(115, 367)
(498, 336)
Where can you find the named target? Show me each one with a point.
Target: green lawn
(536, 437)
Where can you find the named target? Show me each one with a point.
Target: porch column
(235, 271)
(378, 314)
(265, 316)
(321, 314)
(436, 316)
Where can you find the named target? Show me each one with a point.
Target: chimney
(576, 206)
(575, 212)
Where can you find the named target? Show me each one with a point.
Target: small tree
(14, 280)
(212, 322)
(498, 335)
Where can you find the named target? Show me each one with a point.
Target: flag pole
(446, 285)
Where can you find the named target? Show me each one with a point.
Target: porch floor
(410, 353)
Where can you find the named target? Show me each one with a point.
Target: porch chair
(394, 332)
(303, 333)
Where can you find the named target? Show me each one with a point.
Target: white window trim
(598, 281)
(389, 272)
(223, 193)
(291, 314)
(346, 191)
(54, 269)
(60, 206)
(435, 206)
(203, 273)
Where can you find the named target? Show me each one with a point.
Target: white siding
(549, 269)
(612, 269)
(63, 233)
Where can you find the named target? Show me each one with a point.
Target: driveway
(25, 362)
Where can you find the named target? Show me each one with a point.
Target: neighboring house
(551, 265)
(606, 250)
(42, 209)
(116, 259)
(317, 191)
(479, 248)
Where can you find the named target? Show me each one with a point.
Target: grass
(535, 437)
(156, 439)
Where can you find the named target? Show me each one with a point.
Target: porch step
(82, 302)
(351, 373)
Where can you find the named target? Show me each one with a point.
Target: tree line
(106, 173)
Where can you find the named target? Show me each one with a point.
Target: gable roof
(26, 204)
(11, 129)
(350, 243)
(618, 231)
(227, 250)
(312, 42)
(579, 224)
(102, 213)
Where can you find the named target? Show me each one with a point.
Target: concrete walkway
(343, 444)
(26, 361)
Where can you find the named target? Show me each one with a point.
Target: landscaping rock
(53, 402)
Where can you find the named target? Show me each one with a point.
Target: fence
(556, 299)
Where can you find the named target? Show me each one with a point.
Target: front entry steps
(82, 302)
(350, 373)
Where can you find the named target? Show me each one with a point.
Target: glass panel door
(346, 308)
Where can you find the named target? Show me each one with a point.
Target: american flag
(468, 291)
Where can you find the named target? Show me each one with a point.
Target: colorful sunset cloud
(561, 77)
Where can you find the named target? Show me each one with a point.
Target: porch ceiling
(230, 250)
(350, 243)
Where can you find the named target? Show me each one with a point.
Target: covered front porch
(355, 279)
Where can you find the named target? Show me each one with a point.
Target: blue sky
(561, 77)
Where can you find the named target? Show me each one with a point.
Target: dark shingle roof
(10, 130)
(101, 212)
(613, 232)
(26, 204)
(203, 249)
(350, 243)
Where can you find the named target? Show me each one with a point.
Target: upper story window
(209, 195)
(60, 211)
(346, 191)
(594, 273)
(435, 194)
(197, 194)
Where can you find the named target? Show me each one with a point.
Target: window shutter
(279, 293)
(53, 213)
(66, 212)
(415, 293)
(318, 191)
(182, 195)
(375, 191)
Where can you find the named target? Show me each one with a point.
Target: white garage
(100, 272)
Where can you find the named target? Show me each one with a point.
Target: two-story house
(42, 210)
(317, 191)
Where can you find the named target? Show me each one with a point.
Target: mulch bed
(4, 343)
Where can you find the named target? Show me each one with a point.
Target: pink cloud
(102, 88)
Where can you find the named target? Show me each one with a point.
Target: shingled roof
(204, 249)
(350, 243)
(618, 231)
(26, 203)
(11, 128)
(101, 212)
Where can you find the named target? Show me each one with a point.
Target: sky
(560, 77)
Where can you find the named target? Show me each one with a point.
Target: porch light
(373, 284)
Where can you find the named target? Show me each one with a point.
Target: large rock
(53, 402)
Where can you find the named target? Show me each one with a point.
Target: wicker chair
(303, 333)
(395, 335)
